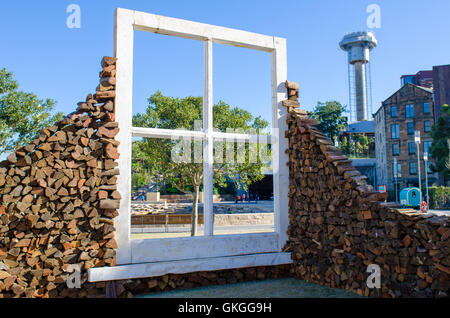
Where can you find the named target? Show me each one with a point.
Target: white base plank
(145, 270)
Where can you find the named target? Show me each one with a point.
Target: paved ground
(440, 212)
(271, 288)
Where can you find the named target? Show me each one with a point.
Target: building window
(408, 79)
(411, 148)
(410, 128)
(426, 108)
(410, 111)
(395, 151)
(394, 111)
(426, 146)
(412, 168)
(395, 132)
(426, 126)
(397, 173)
(429, 167)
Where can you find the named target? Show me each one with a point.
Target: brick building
(421, 78)
(441, 87)
(438, 79)
(409, 109)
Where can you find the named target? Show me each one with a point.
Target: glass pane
(243, 188)
(242, 86)
(167, 82)
(166, 188)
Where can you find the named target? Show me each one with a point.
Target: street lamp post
(425, 158)
(417, 141)
(395, 178)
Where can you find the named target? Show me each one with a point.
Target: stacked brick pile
(58, 199)
(338, 226)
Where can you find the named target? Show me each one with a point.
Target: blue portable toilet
(410, 197)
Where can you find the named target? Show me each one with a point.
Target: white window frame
(152, 257)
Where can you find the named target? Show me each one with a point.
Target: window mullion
(208, 215)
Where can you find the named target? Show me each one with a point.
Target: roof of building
(364, 162)
(428, 90)
(361, 127)
(438, 66)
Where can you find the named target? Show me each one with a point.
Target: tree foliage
(22, 115)
(357, 146)
(347, 147)
(330, 119)
(156, 156)
(440, 146)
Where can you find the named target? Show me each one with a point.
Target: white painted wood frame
(153, 257)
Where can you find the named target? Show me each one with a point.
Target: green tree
(330, 119)
(187, 176)
(22, 115)
(347, 147)
(440, 149)
(362, 144)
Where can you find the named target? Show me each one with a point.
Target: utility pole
(417, 141)
(425, 158)
(395, 178)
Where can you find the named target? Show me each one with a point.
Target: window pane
(167, 82)
(395, 149)
(426, 108)
(412, 168)
(409, 110)
(394, 111)
(238, 71)
(394, 131)
(243, 188)
(411, 146)
(243, 181)
(166, 188)
(410, 128)
(397, 171)
(426, 146)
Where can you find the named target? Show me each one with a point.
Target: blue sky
(53, 61)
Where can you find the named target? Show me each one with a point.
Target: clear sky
(53, 61)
